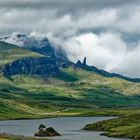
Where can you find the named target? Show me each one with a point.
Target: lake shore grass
(128, 121)
(73, 112)
(127, 126)
(4, 136)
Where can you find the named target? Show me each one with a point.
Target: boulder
(48, 132)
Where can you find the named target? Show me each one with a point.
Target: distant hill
(84, 66)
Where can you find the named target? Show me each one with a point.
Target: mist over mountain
(39, 44)
(54, 54)
(106, 51)
(106, 32)
(27, 40)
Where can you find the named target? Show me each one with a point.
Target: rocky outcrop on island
(46, 132)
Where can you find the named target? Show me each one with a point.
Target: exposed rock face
(85, 61)
(48, 132)
(43, 46)
(38, 44)
(84, 66)
(47, 66)
(32, 66)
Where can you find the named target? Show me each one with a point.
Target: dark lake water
(68, 127)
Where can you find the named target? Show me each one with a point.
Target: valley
(38, 85)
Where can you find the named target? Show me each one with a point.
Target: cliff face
(54, 58)
(32, 66)
(39, 45)
(46, 66)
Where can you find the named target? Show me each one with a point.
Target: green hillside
(90, 80)
(74, 92)
(126, 126)
(9, 53)
(24, 96)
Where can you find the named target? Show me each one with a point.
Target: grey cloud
(65, 4)
(63, 20)
(106, 51)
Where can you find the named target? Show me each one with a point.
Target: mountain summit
(42, 46)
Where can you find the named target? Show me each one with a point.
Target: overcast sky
(107, 32)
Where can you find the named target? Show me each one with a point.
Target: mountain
(34, 83)
(37, 44)
(42, 66)
(9, 53)
(43, 46)
(48, 62)
(15, 60)
(84, 66)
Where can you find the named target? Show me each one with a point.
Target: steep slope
(35, 85)
(10, 53)
(42, 66)
(16, 60)
(42, 45)
(39, 44)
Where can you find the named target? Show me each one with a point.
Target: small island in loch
(46, 132)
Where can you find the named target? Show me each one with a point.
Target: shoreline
(54, 117)
(121, 127)
(127, 138)
(19, 137)
(22, 137)
(117, 114)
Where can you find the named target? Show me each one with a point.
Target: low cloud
(105, 31)
(106, 51)
(53, 20)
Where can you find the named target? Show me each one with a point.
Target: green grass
(125, 126)
(89, 80)
(75, 92)
(25, 96)
(15, 137)
(9, 53)
(34, 96)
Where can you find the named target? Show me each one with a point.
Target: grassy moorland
(85, 96)
(32, 96)
(125, 126)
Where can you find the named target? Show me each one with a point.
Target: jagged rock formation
(48, 65)
(84, 66)
(42, 46)
(46, 132)
(85, 61)
(32, 66)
